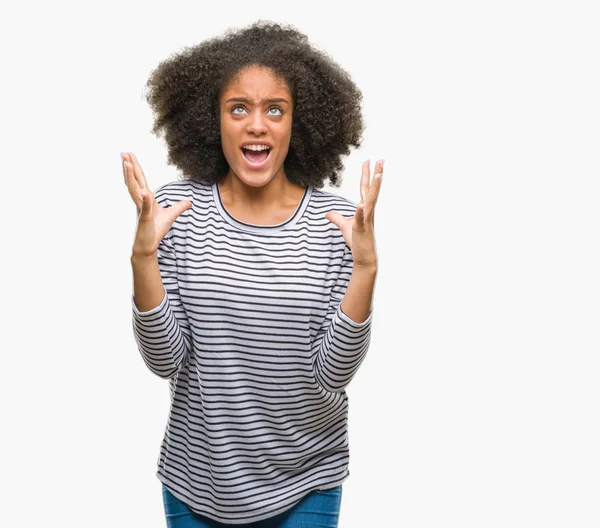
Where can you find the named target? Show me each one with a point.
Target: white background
(478, 403)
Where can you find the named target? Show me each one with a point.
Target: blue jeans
(318, 509)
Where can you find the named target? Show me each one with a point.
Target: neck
(278, 192)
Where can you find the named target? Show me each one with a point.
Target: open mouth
(256, 159)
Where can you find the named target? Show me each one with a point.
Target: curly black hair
(184, 90)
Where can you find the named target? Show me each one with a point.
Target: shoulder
(177, 190)
(329, 201)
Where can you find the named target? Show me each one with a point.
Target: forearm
(160, 324)
(358, 299)
(346, 339)
(148, 289)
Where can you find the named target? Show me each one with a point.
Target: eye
(273, 111)
(233, 110)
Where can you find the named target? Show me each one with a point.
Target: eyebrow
(246, 100)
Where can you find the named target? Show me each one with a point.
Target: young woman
(252, 287)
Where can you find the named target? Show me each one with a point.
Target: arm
(346, 331)
(358, 299)
(163, 332)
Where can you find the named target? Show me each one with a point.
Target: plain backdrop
(478, 403)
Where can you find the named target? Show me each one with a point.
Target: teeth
(256, 147)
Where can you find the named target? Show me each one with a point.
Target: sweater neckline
(258, 228)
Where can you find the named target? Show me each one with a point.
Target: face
(256, 125)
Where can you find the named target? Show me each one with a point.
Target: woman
(252, 287)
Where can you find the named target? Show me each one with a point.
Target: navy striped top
(257, 350)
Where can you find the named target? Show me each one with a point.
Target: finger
(359, 216)
(375, 186)
(132, 185)
(138, 172)
(336, 219)
(123, 165)
(146, 205)
(178, 208)
(123, 160)
(365, 180)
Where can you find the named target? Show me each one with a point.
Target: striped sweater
(257, 350)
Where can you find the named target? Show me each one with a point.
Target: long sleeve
(163, 333)
(259, 415)
(343, 343)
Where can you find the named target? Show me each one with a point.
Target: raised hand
(154, 221)
(359, 230)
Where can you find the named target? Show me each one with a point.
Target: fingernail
(381, 163)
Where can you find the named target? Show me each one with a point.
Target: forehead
(257, 83)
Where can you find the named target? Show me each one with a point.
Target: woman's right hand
(154, 221)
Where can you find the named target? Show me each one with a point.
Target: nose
(256, 124)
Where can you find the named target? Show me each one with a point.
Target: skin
(255, 195)
(261, 196)
(359, 230)
(257, 106)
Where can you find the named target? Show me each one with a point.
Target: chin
(255, 178)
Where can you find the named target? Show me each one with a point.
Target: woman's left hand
(359, 230)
